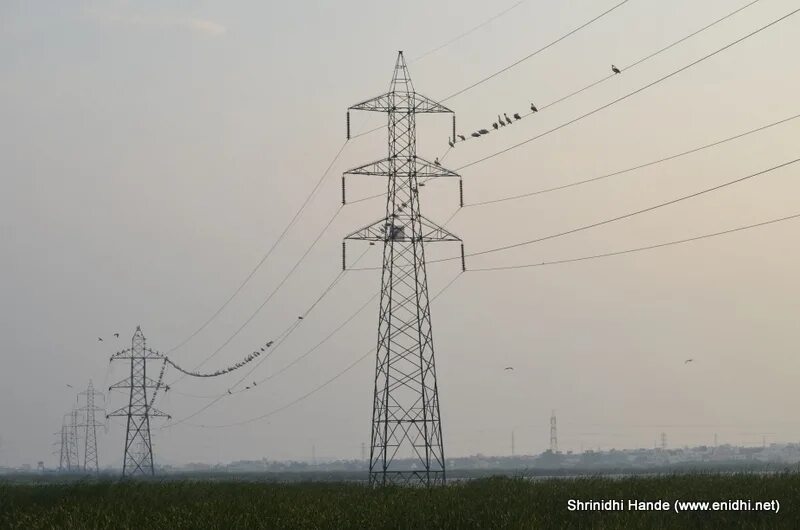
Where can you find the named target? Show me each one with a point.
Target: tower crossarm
(384, 168)
(415, 102)
(393, 230)
(147, 382)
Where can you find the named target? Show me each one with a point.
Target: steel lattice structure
(553, 433)
(74, 459)
(406, 442)
(138, 459)
(63, 459)
(90, 461)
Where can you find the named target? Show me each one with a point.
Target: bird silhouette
(436, 163)
(533, 108)
(500, 121)
(483, 131)
(69, 385)
(300, 317)
(615, 69)
(509, 368)
(116, 335)
(451, 143)
(517, 116)
(229, 392)
(475, 135)
(254, 383)
(687, 361)
(270, 343)
(495, 125)
(508, 120)
(99, 339)
(262, 349)
(463, 138)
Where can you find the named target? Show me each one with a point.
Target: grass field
(484, 503)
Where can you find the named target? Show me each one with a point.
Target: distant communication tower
(664, 441)
(138, 458)
(553, 433)
(90, 424)
(406, 442)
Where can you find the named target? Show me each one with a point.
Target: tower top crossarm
(409, 99)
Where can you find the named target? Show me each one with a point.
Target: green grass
(486, 503)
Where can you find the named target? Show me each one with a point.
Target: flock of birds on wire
(504, 120)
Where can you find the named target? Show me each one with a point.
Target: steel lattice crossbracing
(138, 444)
(406, 441)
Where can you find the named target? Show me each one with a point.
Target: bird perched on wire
(475, 135)
(483, 131)
(435, 163)
(615, 69)
(270, 343)
(463, 138)
(451, 143)
(517, 116)
(500, 121)
(533, 108)
(495, 125)
(508, 120)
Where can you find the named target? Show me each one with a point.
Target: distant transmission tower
(63, 459)
(138, 457)
(406, 442)
(74, 446)
(553, 433)
(664, 441)
(90, 462)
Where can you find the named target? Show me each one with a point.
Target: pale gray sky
(151, 152)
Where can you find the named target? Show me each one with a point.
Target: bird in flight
(687, 361)
(69, 385)
(116, 335)
(99, 339)
(509, 367)
(615, 69)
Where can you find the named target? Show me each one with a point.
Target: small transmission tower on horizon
(74, 444)
(406, 445)
(553, 433)
(90, 461)
(138, 456)
(63, 434)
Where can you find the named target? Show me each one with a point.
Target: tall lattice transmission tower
(406, 442)
(553, 433)
(138, 457)
(90, 462)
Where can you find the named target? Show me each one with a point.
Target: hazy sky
(151, 152)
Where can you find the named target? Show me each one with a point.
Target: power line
(505, 69)
(319, 387)
(218, 397)
(626, 96)
(634, 168)
(613, 219)
(638, 249)
(630, 214)
(267, 255)
(636, 63)
(468, 32)
(272, 293)
(563, 98)
(543, 48)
